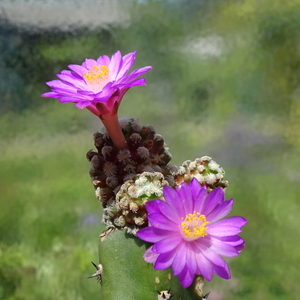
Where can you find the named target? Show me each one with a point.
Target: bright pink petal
(127, 62)
(186, 196)
(204, 266)
(89, 63)
(223, 248)
(191, 252)
(165, 260)
(152, 206)
(136, 73)
(80, 70)
(232, 240)
(186, 277)
(83, 104)
(166, 210)
(199, 194)
(223, 271)
(223, 231)
(235, 241)
(214, 198)
(50, 95)
(179, 260)
(103, 61)
(79, 84)
(150, 256)
(173, 199)
(61, 85)
(159, 221)
(147, 235)
(213, 257)
(140, 81)
(167, 244)
(115, 65)
(230, 221)
(221, 211)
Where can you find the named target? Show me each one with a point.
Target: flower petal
(230, 221)
(136, 73)
(167, 211)
(115, 65)
(214, 198)
(165, 260)
(223, 248)
(191, 257)
(77, 83)
(103, 61)
(173, 199)
(180, 259)
(140, 81)
(83, 104)
(223, 231)
(167, 244)
(50, 95)
(222, 271)
(127, 62)
(89, 63)
(199, 194)
(213, 257)
(150, 256)
(159, 221)
(185, 194)
(221, 211)
(80, 70)
(204, 266)
(235, 241)
(152, 206)
(186, 277)
(146, 234)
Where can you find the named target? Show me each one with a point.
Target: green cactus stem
(127, 276)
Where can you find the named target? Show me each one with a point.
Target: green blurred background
(225, 83)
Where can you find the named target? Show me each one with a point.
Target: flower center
(96, 78)
(194, 226)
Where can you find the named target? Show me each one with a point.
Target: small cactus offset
(166, 225)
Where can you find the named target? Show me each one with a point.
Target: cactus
(124, 182)
(157, 215)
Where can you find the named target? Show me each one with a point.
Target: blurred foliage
(225, 83)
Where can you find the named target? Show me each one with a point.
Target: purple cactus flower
(97, 85)
(189, 234)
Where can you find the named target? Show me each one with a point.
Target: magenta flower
(98, 85)
(188, 233)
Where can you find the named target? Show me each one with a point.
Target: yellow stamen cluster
(194, 226)
(96, 73)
